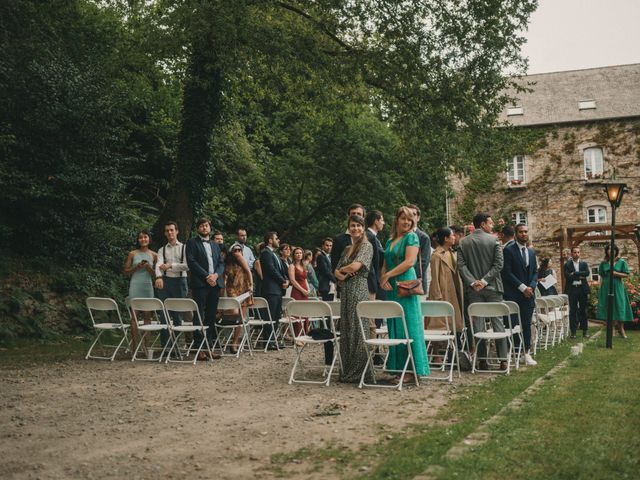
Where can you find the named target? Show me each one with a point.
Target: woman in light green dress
(139, 266)
(400, 256)
(621, 306)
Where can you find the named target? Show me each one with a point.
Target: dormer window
(587, 105)
(593, 163)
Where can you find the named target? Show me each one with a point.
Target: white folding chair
(185, 305)
(259, 318)
(285, 321)
(486, 311)
(545, 321)
(386, 310)
(100, 304)
(445, 335)
(226, 328)
(557, 304)
(514, 309)
(151, 305)
(335, 312)
(319, 310)
(565, 315)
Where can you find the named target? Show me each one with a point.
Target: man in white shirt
(247, 253)
(171, 272)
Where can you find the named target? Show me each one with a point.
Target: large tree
(426, 69)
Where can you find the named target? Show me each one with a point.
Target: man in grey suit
(480, 260)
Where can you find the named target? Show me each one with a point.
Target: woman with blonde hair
(400, 256)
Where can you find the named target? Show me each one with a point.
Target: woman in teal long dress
(400, 256)
(621, 306)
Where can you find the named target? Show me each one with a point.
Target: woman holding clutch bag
(400, 255)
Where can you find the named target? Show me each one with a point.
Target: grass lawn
(581, 423)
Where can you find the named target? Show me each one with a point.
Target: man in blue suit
(206, 265)
(274, 283)
(520, 277)
(576, 273)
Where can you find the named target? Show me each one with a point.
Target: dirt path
(92, 419)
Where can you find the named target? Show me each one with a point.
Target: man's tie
(524, 255)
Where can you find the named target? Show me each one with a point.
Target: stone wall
(556, 192)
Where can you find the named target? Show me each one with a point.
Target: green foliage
(81, 128)
(120, 115)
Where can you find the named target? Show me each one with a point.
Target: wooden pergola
(573, 235)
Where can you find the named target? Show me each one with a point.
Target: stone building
(589, 127)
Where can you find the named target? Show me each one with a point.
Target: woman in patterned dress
(237, 280)
(352, 272)
(400, 256)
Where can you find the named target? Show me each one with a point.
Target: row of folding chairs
(252, 328)
(445, 339)
(551, 320)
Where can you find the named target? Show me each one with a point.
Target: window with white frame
(593, 163)
(515, 170)
(519, 216)
(595, 275)
(597, 214)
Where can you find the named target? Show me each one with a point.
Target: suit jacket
(373, 279)
(515, 273)
(198, 264)
(425, 257)
(480, 258)
(324, 272)
(570, 276)
(274, 273)
(341, 242)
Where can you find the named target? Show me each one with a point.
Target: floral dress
(353, 291)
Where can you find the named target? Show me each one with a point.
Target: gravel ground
(96, 419)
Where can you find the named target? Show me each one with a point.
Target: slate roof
(555, 99)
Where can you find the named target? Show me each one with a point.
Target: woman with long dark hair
(237, 281)
(351, 272)
(544, 271)
(140, 267)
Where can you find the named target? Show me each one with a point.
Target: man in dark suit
(206, 265)
(343, 240)
(576, 287)
(274, 282)
(425, 252)
(520, 278)
(324, 271)
(480, 261)
(375, 223)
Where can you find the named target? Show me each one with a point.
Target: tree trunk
(201, 110)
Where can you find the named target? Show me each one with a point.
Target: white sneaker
(528, 360)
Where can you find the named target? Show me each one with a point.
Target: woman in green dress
(352, 272)
(400, 256)
(621, 306)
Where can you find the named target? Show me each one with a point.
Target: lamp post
(615, 192)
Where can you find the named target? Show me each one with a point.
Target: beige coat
(446, 285)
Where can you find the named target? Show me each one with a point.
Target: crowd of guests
(449, 265)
